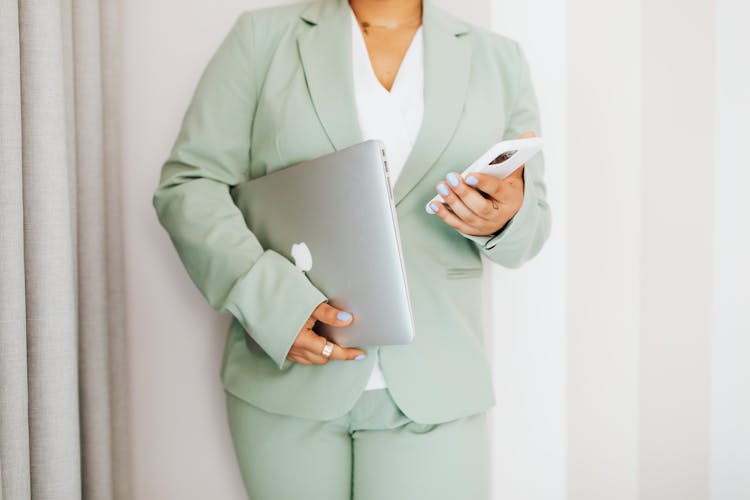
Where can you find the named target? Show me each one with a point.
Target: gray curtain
(63, 355)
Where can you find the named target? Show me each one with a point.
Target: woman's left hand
(481, 204)
(470, 212)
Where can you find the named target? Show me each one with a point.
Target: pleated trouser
(373, 452)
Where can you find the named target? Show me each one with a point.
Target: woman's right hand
(308, 346)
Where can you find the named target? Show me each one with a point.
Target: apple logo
(302, 256)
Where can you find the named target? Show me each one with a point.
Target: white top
(393, 117)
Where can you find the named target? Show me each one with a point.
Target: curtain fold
(14, 432)
(63, 380)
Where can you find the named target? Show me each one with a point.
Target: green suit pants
(372, 452)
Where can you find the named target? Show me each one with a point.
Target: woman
(311, 419)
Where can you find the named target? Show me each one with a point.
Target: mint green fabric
(373, 452)
(279, 90)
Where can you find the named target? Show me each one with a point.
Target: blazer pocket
(463, 272)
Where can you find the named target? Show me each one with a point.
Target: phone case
(500, 160)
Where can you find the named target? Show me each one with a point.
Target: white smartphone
(500, 160)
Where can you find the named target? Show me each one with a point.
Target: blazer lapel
(447, 60)
(325, 52)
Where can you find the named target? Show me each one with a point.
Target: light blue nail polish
(344, 316)
(443, 189)
(434, 208)
(471, 180)
(360, 357)
(452, 178)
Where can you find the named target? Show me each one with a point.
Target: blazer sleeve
(525, 233)
(267, 294)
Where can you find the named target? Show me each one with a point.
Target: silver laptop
(334, 217)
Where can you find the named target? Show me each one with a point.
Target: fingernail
(360, 357)
(434, 208)
(343, 316)
(471, 180)
(443, 189)
(452, 178)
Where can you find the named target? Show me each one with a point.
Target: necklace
(389, 26)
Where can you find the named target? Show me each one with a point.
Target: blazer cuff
(272, 302)
(510, 240)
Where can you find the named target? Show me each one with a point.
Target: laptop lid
(334, 217)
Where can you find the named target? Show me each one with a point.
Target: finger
(316, 359)
(457, 205)
(298, 358)
(452, 219)
(473, 199)
(486, 183)
(313, 351)
(330, 315)
(314, 343)
(513, 187)
(308, 340)
(301, 352)
(517, 174)
(515, 181)
(346, 353)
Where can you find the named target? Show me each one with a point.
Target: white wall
(181, 444)
(730, 373)
(658, 327)
(676, 249)
(604, 76)
(605, 152)
(528, 327)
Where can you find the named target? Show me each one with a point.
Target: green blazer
(279, 90)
